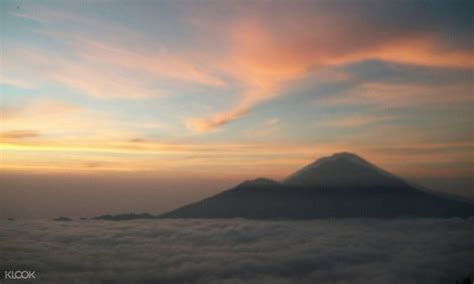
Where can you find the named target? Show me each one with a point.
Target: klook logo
(20, 274)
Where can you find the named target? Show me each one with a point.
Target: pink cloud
(265, 58)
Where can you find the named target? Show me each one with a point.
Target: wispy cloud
(399, 95)
(99, 67)
(268, 128)
(160, 63)
(357, 120)
(100, 70)
(36, 108)
(272, 121)
(15, 81)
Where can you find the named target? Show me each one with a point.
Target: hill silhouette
(343, 185)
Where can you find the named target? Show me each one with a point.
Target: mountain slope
(343, 185)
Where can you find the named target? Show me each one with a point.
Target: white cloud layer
(240, 251)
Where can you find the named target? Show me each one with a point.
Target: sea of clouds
(240, 251)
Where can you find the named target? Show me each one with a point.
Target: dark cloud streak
(19, 134)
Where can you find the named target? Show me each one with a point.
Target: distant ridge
(125, 217)
(343, 185)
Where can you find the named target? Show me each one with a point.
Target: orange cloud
(265, 59)
(397, 95)
(209, 124)
(425, 52)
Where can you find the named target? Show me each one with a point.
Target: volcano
(343, 185)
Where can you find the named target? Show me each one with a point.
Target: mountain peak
(342, 169)
(341, 155)
(347, 155)
(259, 181)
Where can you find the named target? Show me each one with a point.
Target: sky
(236, 89)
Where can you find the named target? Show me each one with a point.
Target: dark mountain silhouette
(342, 185)
(62, 219)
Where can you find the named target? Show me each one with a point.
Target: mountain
(343, 170)
(342, 185)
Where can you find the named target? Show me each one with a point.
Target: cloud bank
(240, 251)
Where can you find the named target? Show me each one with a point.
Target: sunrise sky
(237, 89)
